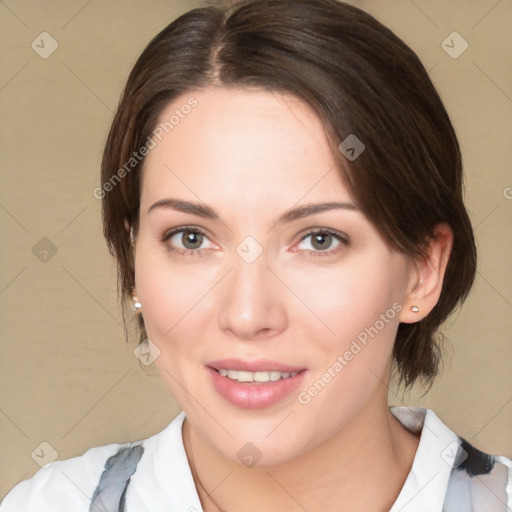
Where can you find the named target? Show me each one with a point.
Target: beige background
(68, 378)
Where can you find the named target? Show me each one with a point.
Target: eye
(185, 240)
(322, 241)
(188, 241)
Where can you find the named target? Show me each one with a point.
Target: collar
(425, 487)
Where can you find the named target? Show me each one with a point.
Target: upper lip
(260, 365)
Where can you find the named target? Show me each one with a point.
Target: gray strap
(109, 495)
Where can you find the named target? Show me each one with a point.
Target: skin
(250, 155)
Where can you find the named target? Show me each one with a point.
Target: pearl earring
(415, 309)
(132, 236)
(136, 303)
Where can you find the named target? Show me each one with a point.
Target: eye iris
(193, 238)
(323, 238)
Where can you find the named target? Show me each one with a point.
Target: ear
(427, 276)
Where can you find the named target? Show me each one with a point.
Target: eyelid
(313, 231)
(173, 231)
(342, 238)
(193, 229)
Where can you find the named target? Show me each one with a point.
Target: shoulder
(68, 484)
(476, 481)
(480, 479)
(448, 472)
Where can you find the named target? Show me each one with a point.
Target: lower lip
(251, 395)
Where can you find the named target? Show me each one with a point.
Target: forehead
(241, 144)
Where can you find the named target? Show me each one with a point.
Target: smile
(254, 384)
(264, 376)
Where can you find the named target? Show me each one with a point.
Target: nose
(252, 301)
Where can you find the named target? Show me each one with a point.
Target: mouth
(254, 385)
(255, 377)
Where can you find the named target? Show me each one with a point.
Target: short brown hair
(360, 79)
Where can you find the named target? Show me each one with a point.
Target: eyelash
(343, 239)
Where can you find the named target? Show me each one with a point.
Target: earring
(415, 309)
(132, 236)
(137, 305)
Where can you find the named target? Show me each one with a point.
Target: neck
(373, 452)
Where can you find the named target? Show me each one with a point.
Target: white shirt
(447, 475)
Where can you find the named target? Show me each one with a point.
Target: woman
(282, 192)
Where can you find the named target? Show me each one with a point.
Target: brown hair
(361, 79)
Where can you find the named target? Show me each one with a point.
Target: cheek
(347, 301)
(327, 306)
(349, 364)
(172, 297)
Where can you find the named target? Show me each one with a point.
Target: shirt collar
(425, 487)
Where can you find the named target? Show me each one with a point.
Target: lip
(251, 395)
(260, 365)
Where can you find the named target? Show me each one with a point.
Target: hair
(361, 79)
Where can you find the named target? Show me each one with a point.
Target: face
(275, 323)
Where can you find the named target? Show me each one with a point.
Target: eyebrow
(202, 210)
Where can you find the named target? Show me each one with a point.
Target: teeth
(243, 376)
